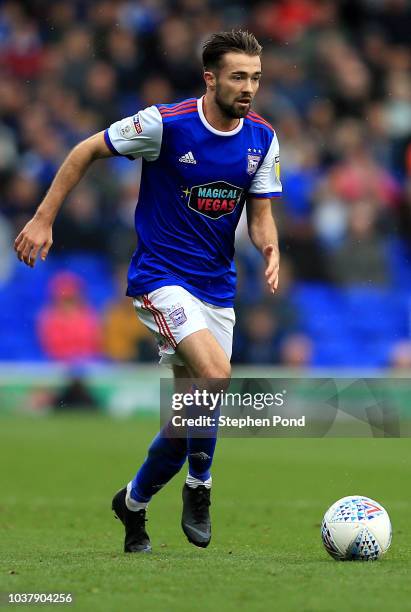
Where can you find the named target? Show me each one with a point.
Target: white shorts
(172, 314)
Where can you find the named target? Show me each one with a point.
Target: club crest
(252, 163)
(178, 316)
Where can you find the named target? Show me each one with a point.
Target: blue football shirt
(194, 183)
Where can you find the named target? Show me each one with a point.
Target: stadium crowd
(337, 88)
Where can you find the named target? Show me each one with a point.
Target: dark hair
(237, 41)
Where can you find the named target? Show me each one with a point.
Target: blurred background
(337, 88)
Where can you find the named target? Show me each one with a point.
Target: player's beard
(230, 110)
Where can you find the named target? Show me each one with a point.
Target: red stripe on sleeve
(184, 111)
(174, 107)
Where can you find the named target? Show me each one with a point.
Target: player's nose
(248, 87)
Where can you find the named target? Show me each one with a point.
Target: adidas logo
(188, 158)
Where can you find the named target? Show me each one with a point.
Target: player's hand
(272, 260)
(36, 237)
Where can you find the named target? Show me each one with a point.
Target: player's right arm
(36, 236)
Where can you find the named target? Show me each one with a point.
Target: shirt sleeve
(266, 182)
(137, 136)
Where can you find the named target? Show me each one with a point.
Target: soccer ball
(356, 528)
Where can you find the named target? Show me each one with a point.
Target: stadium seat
(320, 308)
(375, 313)
(399, 261)
(95, 270)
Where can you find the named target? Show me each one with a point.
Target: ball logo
(372, 510)
(214, 200)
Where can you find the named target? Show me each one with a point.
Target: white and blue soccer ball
(356, 528)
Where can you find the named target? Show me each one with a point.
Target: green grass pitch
(58, 533)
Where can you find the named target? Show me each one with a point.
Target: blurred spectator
(296, 351)
(398, 105)
(358, 175)
(336, 86)
(126, 58)
(299, 242)
(121, 240)
(394, 16)
(403, 220)
(100, 95)
(22, 196)
(156, 88)
(264, 323)
(300, 182)
(361, 258)
(43, 159)
(8, 149)
(22, 51)
(125, 338)
(400, 356)
(68, 327)
(75, 395)
(6, 254)
(77, 48)
(330, 216)
(79, 226)
(259, 341)
(176, 59)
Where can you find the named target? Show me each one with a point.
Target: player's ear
(210, 79)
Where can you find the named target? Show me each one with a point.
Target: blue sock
(201, 450)
(166, 456)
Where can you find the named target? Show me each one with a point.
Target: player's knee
(216, 370)
(226, 373)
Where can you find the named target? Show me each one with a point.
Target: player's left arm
(263, 232)
(262, 229)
